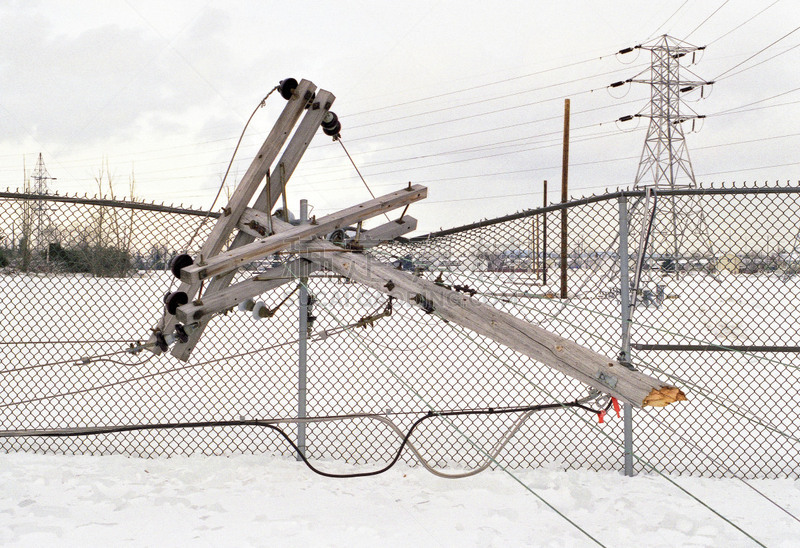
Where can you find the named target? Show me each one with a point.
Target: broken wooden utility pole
(260, 234)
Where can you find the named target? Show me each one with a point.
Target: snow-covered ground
(56, 500)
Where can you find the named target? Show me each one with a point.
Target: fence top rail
(127, 204)
(702, 191)
(788, 188)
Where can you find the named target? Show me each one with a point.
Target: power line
(719, 77)
(472, 88)
(538, 145)
(737, 111)
(594, 335)
(449, 162)
(416, 394)
(755, 102)
(499, 97)
(730, 111)
(477, 115)
(668, 19)
(706, 19)
(722, 113)
(221, 163)
(611, 160)
(740, 25)
(751, 168)
(762, 61)
(591, 333)
(640, 459)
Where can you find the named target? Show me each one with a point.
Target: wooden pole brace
(566, 356)
(248, 186)
(231, 260)
(269, 195)
(273, 278)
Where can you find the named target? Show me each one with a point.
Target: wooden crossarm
(273, 278)
(231, 296)
(233, 259)
(564, 355)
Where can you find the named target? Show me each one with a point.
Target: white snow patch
(267, 501)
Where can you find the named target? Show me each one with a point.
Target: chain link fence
(716, 313)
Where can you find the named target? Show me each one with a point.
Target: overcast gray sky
(464, 97)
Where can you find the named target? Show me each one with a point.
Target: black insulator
(687, 88)
(331, 125)
(626, 50)
(617, 84)
(161, 342)
(626, 118)
(180, 262)
(180, 333)
(286, 88)
(174, 300)
(334, 131)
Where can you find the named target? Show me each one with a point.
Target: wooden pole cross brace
(273, 278)
(233, 259)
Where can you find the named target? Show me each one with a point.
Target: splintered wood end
(663, 396)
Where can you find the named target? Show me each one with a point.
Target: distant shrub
(96, 260)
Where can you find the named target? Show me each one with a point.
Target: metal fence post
(302, 351)
(625, 317)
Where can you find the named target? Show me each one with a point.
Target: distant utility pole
(564, 198)
(39, 178)
(665, 163)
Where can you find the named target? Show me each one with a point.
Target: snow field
(113, 500)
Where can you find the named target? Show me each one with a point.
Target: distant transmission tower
(39, 178)
(665, 161)
(679, 232)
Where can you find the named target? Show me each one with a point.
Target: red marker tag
(615, 403)
(601, 417)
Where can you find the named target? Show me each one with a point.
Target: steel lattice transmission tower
(39, 178)
(678, 235)
(665, 161)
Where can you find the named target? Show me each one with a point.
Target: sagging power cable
(405, 437)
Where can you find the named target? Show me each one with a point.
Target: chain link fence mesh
(716, 313)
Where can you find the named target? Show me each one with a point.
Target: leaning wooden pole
(568, 357)
(564, 198)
